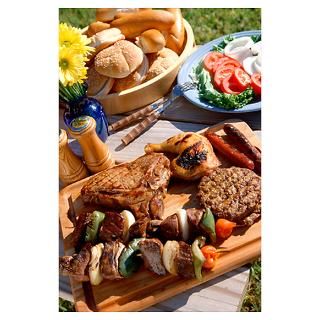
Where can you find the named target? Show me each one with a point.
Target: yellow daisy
(72, 67)
(71, 37)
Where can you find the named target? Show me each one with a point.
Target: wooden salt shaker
(96, 154)
(71, 168)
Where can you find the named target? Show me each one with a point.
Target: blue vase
(88, 107)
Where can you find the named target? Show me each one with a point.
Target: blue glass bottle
(86, 106)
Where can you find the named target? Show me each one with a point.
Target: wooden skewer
(138, 129)
(135, 116)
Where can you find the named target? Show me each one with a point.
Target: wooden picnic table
(224, 293)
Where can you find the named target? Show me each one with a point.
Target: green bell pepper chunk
(129, 261)
(208, 225)
(197, 256)
(94, 225)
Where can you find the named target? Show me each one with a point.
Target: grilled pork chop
(139, 186)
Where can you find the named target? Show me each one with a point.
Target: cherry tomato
(211, 59)
(224, 228)
(227, 86)
(221, 74)
(211, 255)
(240, 79)
(256, 83)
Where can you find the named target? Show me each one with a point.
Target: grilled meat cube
(184, 261)
(75, 265)
(139, 185)
(82, 221)
(109, 260)
(151, 250)
(139, 228)
(112, 227)
(169, 228)
(194, 216)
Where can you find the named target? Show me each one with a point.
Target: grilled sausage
(241, 142)
(232, 154)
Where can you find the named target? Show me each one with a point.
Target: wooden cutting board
(145, 289)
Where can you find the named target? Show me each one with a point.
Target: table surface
(224, 293)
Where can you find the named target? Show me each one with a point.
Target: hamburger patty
(233, 194)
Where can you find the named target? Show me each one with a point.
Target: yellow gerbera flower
(72, 67)
(71, 37)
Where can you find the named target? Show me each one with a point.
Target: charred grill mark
(192, 156)
(186, 137)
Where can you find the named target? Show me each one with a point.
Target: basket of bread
(138, 53)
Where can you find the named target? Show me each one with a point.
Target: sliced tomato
(229, 63)
(240, 79)
(211, 59)
(211, 255)
(227, 86)
(222, 73)
(218, 63)
(256, 83)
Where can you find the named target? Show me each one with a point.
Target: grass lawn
(207, 25)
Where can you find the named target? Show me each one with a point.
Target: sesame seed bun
(118, 60)
(134, 78)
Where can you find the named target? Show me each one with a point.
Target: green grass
(65, 306)
(207, 24)
(252, 299)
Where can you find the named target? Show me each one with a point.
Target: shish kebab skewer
(114, 261)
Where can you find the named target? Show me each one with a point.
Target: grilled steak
(112, 227)
(184, 261)
(233, 194)
(139, 186)
(169, 228)
(151, 250)
(76, 264)
(109, 260)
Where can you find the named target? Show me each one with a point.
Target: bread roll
(119, 60)
(151, 41)
(105, 38)
(133, 24)
(95, 27)
(133, 79)
(160, 62)
(108, 14)
(98, 83)
(176, 35)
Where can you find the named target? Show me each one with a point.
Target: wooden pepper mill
(71, 168)
(96, 154)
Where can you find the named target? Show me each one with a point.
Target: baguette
(133, 24)
(108, 14)
(176, 35)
